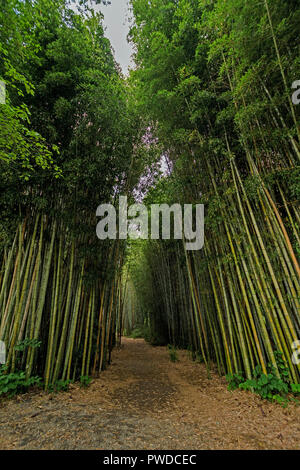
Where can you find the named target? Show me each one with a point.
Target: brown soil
(144, 401)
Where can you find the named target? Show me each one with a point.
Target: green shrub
(85, 380)
(295, 389)
(141, 332)
(268, 386)
(16, 382)
(137, 333)
(60, 386)
(234, 380)
(172, 353)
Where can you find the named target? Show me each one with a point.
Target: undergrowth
(268, 386)
(172, 353)
(141, 332)
(13, 383)
(16, 382)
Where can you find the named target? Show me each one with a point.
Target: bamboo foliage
(48, 311)
(231, 132)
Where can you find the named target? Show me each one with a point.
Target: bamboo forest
(182, 348)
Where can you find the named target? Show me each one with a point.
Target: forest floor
(144, 401)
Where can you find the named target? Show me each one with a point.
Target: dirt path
(143, 401)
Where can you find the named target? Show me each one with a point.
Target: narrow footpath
(144, 401)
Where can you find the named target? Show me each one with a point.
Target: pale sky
(117, 27)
